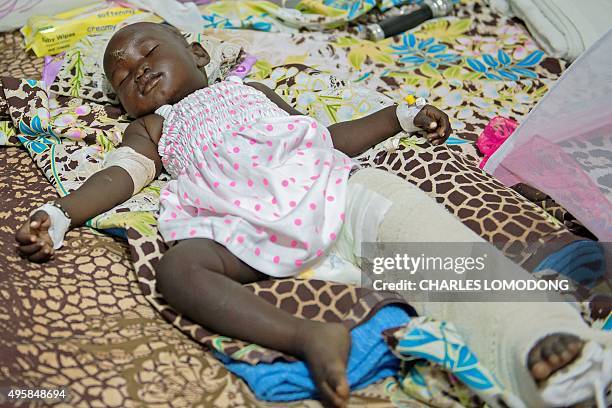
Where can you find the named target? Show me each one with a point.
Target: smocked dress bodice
(268, 186)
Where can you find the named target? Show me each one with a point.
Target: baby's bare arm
(356, 136)
(113, 185)
(352, 137)
(101, 192)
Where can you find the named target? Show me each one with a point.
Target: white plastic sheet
(15, 13)
(564, 146)
(183, 15)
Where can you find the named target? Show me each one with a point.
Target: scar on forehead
(118, 54)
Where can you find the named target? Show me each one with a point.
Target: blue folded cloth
(370, 360)
(582, 261)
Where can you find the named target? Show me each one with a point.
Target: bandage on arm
(406, 112)
(114, 184)
(140, 168)
(60, 223)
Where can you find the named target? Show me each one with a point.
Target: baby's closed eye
(151, 50)
(123, 80)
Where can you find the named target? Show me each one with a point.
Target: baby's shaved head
(132, 29)
(150, 64)
(174, 31)
(117, 54)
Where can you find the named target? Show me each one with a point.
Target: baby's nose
(142, 77)
(142, 69)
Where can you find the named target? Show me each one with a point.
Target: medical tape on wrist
(407, 112)
(60, 224)
(140, 168)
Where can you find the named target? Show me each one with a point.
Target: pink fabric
(268, 186)
(494, 134)
(52, 67)
(564, 146)
(243, 69)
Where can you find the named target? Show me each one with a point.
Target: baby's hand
(35, 244)
(435, 122)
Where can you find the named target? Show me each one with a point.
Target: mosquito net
(564, 146)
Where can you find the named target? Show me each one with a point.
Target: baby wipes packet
(52, 35)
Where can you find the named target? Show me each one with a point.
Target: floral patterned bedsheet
(474, 64)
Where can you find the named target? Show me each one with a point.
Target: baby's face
(149, 65)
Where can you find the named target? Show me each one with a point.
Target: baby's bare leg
(202, 280)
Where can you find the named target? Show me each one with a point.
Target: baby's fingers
(43, 255)
(25, 235)
(435, 138)
(27, 250)
(423, 120)
(31, 230)
(40, 221)
(436, 141)
(444, 129)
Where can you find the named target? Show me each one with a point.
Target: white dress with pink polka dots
(268, 186)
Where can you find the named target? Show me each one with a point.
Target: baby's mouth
(151, 83)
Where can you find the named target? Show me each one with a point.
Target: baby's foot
(552, 353)
(325, 347)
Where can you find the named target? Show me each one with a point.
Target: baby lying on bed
(258, 190)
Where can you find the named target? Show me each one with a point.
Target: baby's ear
(201, 56)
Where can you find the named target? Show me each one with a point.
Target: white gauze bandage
(585, 379)
(406, 112)
(139, 167)
(59, 224)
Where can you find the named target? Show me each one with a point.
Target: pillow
(82, 75)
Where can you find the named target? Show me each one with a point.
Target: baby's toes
(572, 346)
(329, 398)
(336, 378)
(540, 369)
(555, 353)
